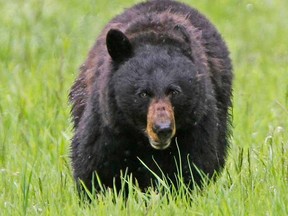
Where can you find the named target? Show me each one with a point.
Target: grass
(43, 42)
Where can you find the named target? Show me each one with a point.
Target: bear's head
(157, 87)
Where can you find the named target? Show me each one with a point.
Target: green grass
(42, 44)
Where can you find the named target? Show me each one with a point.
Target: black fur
(156, 47)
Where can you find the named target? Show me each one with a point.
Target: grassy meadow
(42, 45)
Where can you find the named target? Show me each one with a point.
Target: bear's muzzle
(160, 123)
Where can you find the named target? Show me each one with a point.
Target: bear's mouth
(160, 146)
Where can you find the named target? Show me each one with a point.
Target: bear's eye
(143, 94)
(174, 92)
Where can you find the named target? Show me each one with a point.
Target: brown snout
(160, 123)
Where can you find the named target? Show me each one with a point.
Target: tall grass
(43, 42)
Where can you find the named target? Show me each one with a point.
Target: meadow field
(42, 45)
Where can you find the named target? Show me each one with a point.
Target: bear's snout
(163, 130)
(160, 124)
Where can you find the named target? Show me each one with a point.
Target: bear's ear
(118, 45)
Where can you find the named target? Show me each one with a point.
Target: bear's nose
(163, 130)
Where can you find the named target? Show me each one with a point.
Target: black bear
(155, 88)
